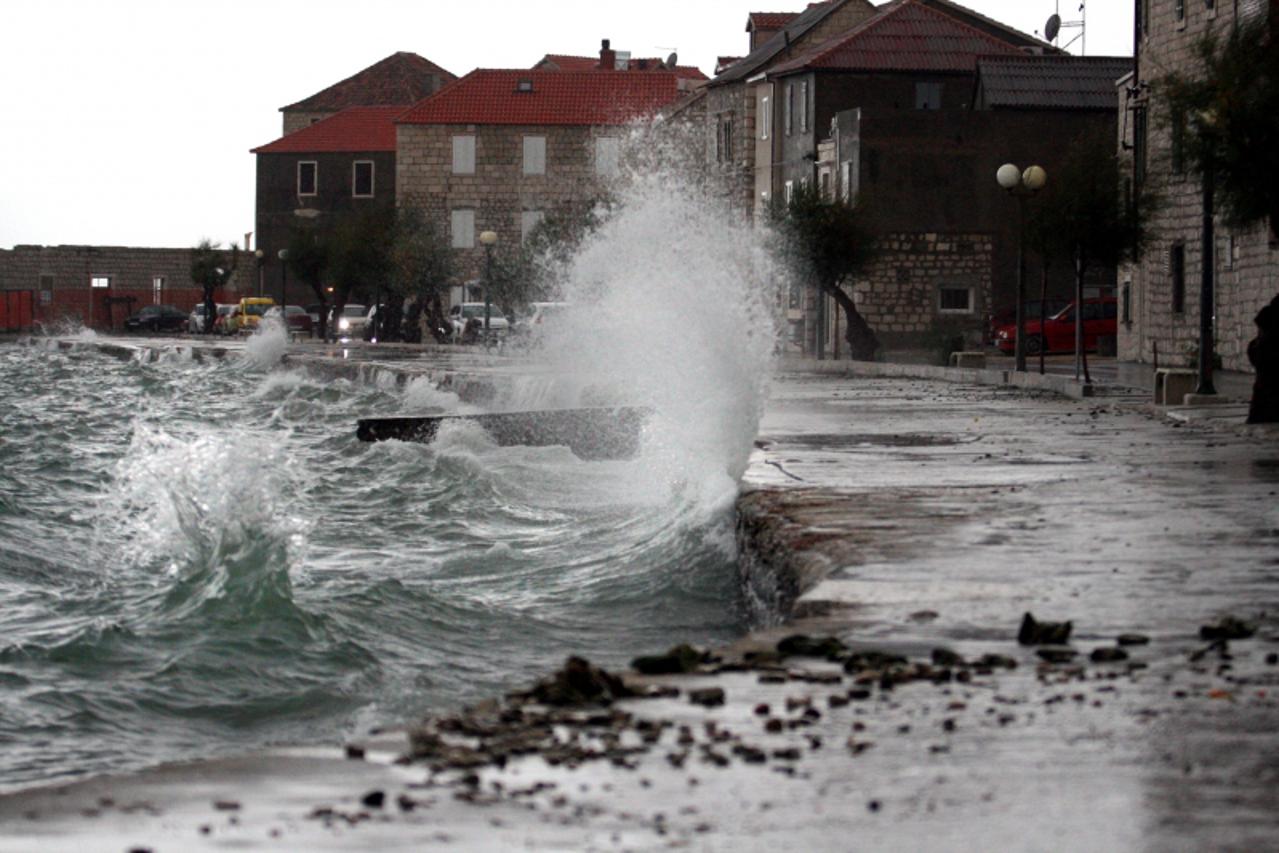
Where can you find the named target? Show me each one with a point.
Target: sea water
(197, 557)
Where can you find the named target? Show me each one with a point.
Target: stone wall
(900, 293)
(60, 277)
(1246, 260)
(498, 191)
(298, 119)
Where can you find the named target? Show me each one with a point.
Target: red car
(1058, 333)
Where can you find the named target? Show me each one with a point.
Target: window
(788, 109)
(362, 179)
(608, 151)
(1179, 9)
(724, 139)
(955, 300)
(308, 177)
(1178, 153)
(803, 107)
(99, 281)
(157, 289)
(464, 155)
(827, 195)
(928, 96)
(765, 116)
(535, 155)
(1125, 300)
(1139, 139)
(529, 220)
(463, 224)
(46, 289)
(1177, 270)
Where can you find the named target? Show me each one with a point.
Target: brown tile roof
(769, 20)
(353, 129)
(594, 98)
(562, 62)
(796, 29)
(401, 78)
(908, 35)
(1053, 82)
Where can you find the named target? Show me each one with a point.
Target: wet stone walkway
(915, 524)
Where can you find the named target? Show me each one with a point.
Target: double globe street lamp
(1022, 185)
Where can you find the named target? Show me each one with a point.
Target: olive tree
(211, 268)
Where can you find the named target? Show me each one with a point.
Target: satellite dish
(1052, 28)
(671, 60)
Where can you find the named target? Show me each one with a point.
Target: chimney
(608, 58)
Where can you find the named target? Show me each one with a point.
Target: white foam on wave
(421, 396)
(267, 345)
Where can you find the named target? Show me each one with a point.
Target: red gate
(16, 310)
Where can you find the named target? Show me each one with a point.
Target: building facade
(1159, 310)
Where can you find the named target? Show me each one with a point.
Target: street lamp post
(283, 255)
(261, 259)
(1022, 185)
(487, 239)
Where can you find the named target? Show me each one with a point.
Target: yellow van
(251, 310)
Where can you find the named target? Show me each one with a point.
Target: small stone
(802, 645)
(946, 657)
(773, 725)
(1227, 628)
(226, 805)
(762, 709)
(354, 752)
(678, 659)
(374, 799)
(708, 697)
(1108, 655)
(1272, 659)
(1057, 654)
(873, 805)
(1132, 640)
(1036, 633)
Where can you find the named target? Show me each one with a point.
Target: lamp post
(283, 255)
(260, 256)
(1022, 185)
(487, 239)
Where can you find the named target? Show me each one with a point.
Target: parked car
(1007, 316)
(251, 311)
(295, 317)
(157, 318)
(1058, 333)
(462, 316)
(350, 324)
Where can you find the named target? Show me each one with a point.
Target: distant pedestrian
(1263, 352)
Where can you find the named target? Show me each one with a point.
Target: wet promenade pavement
(915, 522)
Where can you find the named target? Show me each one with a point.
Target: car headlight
(344, 324)
(1003, 334)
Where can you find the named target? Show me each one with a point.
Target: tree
(212, 268)
(421, 266)
(307, 259)
(826, 243)
(359, 255)
(1232, 109)
(1085, 215)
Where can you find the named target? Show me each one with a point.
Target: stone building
(498, 149)
(740, 102)
(98, 286)
(1159, 303)
(401, 79)
(340, 165)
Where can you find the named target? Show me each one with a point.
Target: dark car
(157, 318)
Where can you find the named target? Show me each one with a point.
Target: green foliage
(211, 266)
(1232, 106)
(308, 256)
(1083, 213)
(421, 257)
(824, 241)
(359, 253)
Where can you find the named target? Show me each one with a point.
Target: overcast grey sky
(129, 122)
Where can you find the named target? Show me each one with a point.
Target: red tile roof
(905, 36)
(769, 20)
(490, 96)
(402, 78)
(561, 62)
(354, 129)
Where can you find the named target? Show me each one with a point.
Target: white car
(351, 323)
(461, 315)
